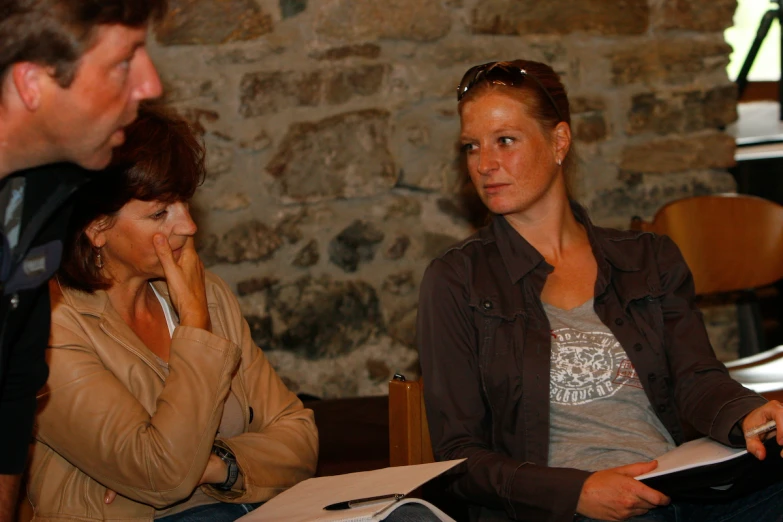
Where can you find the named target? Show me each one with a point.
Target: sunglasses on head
(500, 73)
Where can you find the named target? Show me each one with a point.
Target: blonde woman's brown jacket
(107, 417)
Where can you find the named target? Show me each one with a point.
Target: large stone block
(526, 17)
(366, 50)
(358, 373)
(714, 150)
(589, 127)
(695, 16)
(355, 244)
(308, 255)
(344, 156)
(251, 241)
(425, 145)
(580, 104)
(365, 80)
(643, 194)
(668, 60)
(268, 92)
(289, 8)
(683, 111)
(393, 19)
(402, 326)
(321, 317)
(204, 22)
(720, 106)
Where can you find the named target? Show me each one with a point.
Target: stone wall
(331, 130)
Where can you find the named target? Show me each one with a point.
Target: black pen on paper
(758, 430)
(348, 504)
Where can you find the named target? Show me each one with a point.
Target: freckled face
(127, 248)
(510, 159)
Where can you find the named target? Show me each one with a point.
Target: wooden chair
(732, 243)
(409, 435)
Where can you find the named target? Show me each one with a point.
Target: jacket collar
(520, 257)
(97, 304)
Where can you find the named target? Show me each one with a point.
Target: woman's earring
(559, 161)
(99, 260)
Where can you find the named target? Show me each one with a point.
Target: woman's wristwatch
(231, 467)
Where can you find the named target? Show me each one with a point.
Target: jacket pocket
(500, 352)
(647, 313)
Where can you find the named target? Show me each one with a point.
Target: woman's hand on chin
(185, 278)
(614, 494)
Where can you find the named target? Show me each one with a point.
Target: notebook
(706, 470)
(308, 500)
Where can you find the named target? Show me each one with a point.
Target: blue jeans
(219, 512)
(412, 513)
(762, 506)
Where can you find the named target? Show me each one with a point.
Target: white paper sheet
(306, 501)
(699, 452)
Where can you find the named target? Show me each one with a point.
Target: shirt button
(651, 377)
(487, 304)
(638, 347)
(14, 301)
(662, 408)
(618, 322)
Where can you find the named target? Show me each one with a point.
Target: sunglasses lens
(492, 72)
(469, 79)
(509, 76)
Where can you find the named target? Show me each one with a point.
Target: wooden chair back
(409, 434)
(730, 242)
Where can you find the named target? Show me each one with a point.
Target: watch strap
(231, 468)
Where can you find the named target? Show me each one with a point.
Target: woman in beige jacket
(158, 404)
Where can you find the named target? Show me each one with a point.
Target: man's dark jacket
(484, 342)
(24, 303)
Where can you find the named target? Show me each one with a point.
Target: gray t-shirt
(599, 416)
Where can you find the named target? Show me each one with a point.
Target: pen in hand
(758, 430)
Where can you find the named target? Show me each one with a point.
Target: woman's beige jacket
(108, 419)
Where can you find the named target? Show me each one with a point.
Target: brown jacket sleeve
(280, 448)
(156, 459)
(708, 398)
(457, 413)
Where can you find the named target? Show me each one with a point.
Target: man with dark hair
(72, 74)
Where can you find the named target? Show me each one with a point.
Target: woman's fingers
(109, 496)
(185, 278)
(163, 251)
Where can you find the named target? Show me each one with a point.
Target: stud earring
(559, 161)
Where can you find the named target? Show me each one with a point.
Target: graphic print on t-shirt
(587, 366)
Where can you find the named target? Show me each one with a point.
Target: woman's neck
(134, 300)
(550, 227)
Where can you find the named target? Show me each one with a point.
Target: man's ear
(29, 80)
(561, 139)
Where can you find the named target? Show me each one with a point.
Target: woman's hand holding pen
(614, 494)
(770, 412)
(185, 278)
